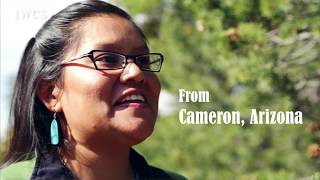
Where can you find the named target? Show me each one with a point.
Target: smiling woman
(80, 113)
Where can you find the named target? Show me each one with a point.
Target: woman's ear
(49, 93)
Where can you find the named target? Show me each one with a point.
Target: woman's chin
(137, 130)
(140, 133)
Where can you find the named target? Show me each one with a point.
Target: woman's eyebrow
(117, 47)
(106, 46)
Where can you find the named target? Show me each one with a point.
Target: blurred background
(262, 54)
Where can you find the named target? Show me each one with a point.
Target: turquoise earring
(54, 133)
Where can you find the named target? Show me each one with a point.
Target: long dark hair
(40, 62)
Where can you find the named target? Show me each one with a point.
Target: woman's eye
(144, 60)
(106, 59)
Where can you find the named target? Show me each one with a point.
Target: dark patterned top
(48, 166)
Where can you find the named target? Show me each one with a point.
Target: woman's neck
(98, 163)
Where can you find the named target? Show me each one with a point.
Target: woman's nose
(132, 72)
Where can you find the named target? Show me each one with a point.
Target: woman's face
(90, 98)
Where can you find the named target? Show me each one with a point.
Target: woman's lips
(131, 99)
(133, 104)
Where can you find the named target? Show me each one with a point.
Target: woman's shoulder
(158, 173)
(172, 175)
(146, 171)
(176, 176)
(19, 170)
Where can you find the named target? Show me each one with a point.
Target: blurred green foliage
(262, 54)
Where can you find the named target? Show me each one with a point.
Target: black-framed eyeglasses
(107, 60)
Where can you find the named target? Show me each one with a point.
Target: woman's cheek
(155, 87)
(87, 97)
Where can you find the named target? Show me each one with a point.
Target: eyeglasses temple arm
(85, 55)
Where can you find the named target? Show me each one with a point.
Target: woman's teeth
(132, 98)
